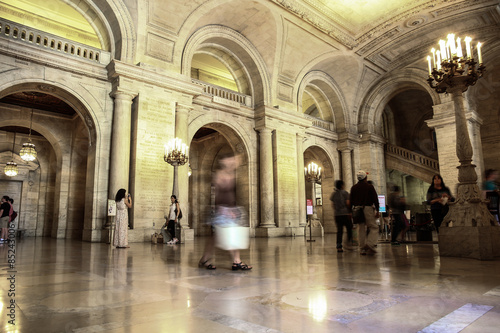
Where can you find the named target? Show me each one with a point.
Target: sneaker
(340, 250)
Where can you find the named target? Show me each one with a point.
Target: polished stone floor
(295, 286)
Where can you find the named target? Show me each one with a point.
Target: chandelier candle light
(312, 172)
(176, 153)
(448, 64)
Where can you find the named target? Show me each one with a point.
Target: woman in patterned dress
(120, 239)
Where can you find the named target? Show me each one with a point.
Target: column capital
(122, 94)
(182, 107)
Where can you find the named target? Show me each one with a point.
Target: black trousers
(171, 228)
(397, 226)
(343, 221)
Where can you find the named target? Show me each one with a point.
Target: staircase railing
(412, 157)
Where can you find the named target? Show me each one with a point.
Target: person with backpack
(340, 203)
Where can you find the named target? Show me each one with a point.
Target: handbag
(232, 238)
(180, 213)
(358, 215)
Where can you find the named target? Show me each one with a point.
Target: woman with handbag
(227, 214)
(173, 218)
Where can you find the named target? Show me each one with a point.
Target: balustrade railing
(217, 91)
(327, 125)
(18, 32)
(412, 156)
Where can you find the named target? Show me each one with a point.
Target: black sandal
(244, 267)
(204, 264)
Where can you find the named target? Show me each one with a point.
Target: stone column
(474, 232)
(119, 167)
(266, 179)
(181, 132)
(302, 181)
(347, 168)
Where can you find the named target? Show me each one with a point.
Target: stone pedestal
(270, 232)
(470, 242)
(187, 234)
(316, 231)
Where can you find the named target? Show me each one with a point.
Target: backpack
(13, 216)
(180, 213)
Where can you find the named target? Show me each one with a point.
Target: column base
(470, 242)
(187, 234)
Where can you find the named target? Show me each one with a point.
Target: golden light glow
(210, 70)
(318, 306)
(54, 17)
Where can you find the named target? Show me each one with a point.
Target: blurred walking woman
(120, 239)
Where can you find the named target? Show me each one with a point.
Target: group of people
(7, 215)
(363, 200)
(364, 204)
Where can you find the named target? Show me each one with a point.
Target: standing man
(4, 217)
(364, 195)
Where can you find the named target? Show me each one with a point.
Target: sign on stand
(309, 205)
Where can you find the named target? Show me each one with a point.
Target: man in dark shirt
(365, 196)
(4, 217)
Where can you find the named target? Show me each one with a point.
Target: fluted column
(119, 167)
(182, 192)
(302, 182)
(347, 168)
(266, 179)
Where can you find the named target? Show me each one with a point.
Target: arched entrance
(319, 193)
(50, 190)
(207, 145)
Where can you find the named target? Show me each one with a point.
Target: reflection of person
(340, 203)
(226, 211)
(4, 217)
(173, 218)
(120, 239)
(364, 195)
(438, 196)
(397, 205)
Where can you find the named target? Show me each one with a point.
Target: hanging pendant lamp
(28, 152)
(11, 169)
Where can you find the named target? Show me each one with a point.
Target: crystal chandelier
(28, 152)
(450, 67)
(11, 169)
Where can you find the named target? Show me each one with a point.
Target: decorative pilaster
(301, 181)
(181, 132)
(266, 179)
(119, 168)
(347, 168)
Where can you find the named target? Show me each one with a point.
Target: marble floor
(295, 286)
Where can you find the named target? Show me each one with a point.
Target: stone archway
(208, 143)
(52, 203)
(324, 210)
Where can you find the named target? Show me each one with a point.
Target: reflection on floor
(295, 286)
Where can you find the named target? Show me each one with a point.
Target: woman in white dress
(120, 239)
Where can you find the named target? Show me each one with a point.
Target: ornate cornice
(325, 25)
